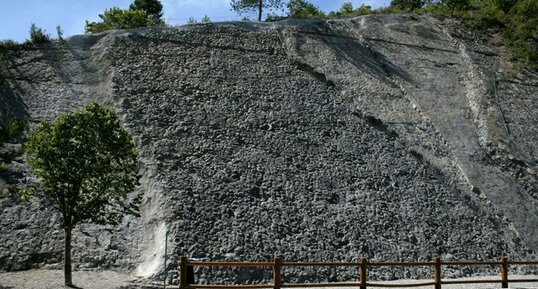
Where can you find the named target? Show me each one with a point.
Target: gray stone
(383, 136)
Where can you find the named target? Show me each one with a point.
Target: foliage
(116, 18)
(38, 35)
(8, 44)
(363, 10)
(11, 129)
(272, 17)
(191, 20)
(454, 5)
(347, 11)
(302, 9)
(4, 167)
(60, 33)
(86, 163)
(521, 30)
(153, 8)
(408, 5)
(241, 6)
(1, 66)
(206, 19)
(347, 8)
(517, 20)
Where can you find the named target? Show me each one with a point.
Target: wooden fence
(187, 273)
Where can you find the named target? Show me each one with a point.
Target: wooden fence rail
(187, 273)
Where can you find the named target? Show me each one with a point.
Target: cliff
(385, 136)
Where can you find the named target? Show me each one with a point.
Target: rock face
(384, 136)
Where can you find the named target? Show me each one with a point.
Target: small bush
(38, 35)
(11, 129)
(2, 81)
(192, 20)
(272, 17)
(206, 19)
(9, 44)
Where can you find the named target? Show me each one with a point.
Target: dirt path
(53, 279)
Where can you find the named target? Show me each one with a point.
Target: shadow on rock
(355, 52)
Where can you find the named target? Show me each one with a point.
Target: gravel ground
(53, 279)
(476, 286)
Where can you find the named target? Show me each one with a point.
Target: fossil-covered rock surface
(393, 137)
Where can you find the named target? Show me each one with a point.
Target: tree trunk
(67, 257)
(260, 7)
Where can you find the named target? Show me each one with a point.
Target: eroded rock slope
(385, 136)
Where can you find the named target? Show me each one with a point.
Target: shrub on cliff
(38, 35)
(1, 66)
(116, 18)
(11, 129)
(86, 164)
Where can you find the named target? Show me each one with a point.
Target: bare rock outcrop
(385, 136)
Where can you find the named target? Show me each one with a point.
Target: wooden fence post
(276, 273)
(437, 272)
(363, 279)
(183, 273)
(504, 272)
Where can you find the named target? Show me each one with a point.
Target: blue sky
(17, 15)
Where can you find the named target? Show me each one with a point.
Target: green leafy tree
(301, 9)
(407, 4)
(454, 5)
(116, 18)
(154, 8)
(363, 10)
(347, 8)
(86, 163)
(503, 5)
(240, 6)
(521, 30)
